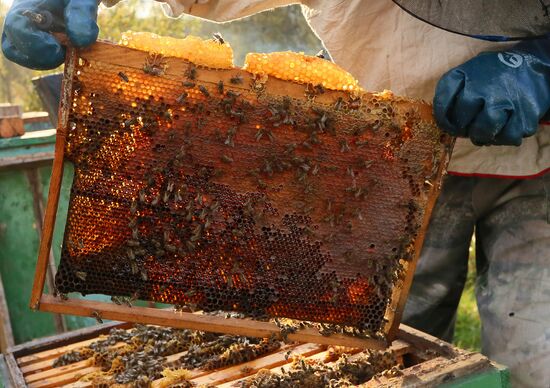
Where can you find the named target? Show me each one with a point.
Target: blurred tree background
(276, 30)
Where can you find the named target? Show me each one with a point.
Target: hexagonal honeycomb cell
(223, 190)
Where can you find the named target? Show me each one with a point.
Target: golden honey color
(289, 66)
(301, 68)
(209, 52)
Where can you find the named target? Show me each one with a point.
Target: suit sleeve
(217, 10)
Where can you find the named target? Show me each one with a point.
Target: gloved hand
(496, 97)
(24, 43)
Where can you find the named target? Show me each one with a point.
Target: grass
(468, 326)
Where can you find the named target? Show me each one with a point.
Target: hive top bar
(221, 189)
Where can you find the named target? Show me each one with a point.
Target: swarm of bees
(139, 356)
(147, 352)
(344, 372)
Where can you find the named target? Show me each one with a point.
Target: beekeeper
(492, 94)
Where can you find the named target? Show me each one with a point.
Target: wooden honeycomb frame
(134, 59)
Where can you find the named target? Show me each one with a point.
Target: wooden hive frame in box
(320, 217)
(424, 361)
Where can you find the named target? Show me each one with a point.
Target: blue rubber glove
(496, 97)
(24, 43)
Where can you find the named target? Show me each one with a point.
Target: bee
(97, 316)
(264, 131)
(230, 134)
(197, 232)
(368, 163)
(321, 121)
(320, 54)
(344, 146)
(339, 103)
(143, 274)
(232, 95)
(237, 114)
(131, 121)
(306, 145)
(315, 170)
(134, 267)
(155, 64)
(182, 97)
(170, 186)
(116, 300)
(204, 91)
(229, 282)
(218, 38)
(123, 76)
(191, 72)
(355, 102)
(226, 159)
(236, 80)
(203, 213)
(220, 86)
(81, 275)
(326, 330)
(133, 207)
(63, 296)
(267, 167)
(237, 232)
(155, 200)
(189, 84)
(361, 144)
(290, 148)
(132, 298)
(133, 243)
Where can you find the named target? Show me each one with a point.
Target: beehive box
(11, 121)
(415, 359)
(222, 189)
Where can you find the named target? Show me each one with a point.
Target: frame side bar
(407, 282)
(55, 181)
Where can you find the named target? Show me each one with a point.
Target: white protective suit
(386, 48)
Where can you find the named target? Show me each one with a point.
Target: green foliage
(277, 30)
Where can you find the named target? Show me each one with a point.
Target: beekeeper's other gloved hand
(24, 43)
(496, 97)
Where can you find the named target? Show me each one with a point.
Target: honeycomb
(222, 190)
(301, 68)
(212, 53)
